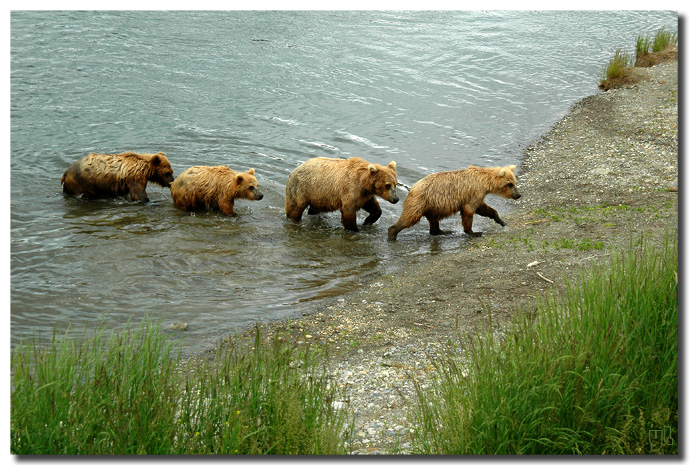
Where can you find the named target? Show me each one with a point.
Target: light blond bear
(330, 184)
(213, 187)
(101, 175)
(440, 195)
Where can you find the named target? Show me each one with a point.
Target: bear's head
(383, 180)
(506, 183)
(161, 171)
(247, 187)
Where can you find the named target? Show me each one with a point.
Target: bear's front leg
(467, 218)
(349, 219)
(489, 212)
(227, 207)
(138, 192)
(374, 209)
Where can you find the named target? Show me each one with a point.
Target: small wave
(278, 120)
(319, 145)
(359, 139)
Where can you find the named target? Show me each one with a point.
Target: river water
(265, 90)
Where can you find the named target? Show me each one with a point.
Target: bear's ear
(392, 165)
(511, 168)
(156, 160)
(239, 179)
(373, 169)
(251, 171)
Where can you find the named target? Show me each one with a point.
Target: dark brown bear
(443, 194)
(330, 184)
(215, 187)
(99, 175)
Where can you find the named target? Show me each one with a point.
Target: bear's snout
(516, 195)
(258, 195)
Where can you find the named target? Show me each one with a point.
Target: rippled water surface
(265, 90)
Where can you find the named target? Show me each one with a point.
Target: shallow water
(265, 90)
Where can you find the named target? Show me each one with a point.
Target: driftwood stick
(544, 278)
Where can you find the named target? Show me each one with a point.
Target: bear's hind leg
(294, 210)
(434, 227)
(68, 185)
(407, 219)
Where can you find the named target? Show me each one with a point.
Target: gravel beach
(605, 175)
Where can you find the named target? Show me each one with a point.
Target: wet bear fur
(213, 187)
(440, 195)
(330, 184)
(100, 175)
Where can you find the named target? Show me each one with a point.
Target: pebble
(380, 390)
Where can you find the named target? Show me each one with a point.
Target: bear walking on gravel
(214, 187)
(99, 175)
(440, 195)
(330, 184)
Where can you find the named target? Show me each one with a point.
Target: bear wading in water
(213, 187)
(100, 175)
(330, 184)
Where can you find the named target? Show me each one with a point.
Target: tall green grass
(128, 394)
(642, 46)
(618, 71)
(272, 400)
(595, 372)
(662, 39)
(617, 66)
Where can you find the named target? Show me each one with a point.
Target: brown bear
(440, 195)
(99, 175)
(330, 184)
(215, 187)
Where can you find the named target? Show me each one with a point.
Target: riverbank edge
(608, 170)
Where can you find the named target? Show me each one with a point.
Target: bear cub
(440, 195)
(100, 175)
(330, 184)
(213, 187)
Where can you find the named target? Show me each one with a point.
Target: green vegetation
(642, 46)
(663, 39)
(127, 394)
(660, 44)
(619, 70)
(592, 372)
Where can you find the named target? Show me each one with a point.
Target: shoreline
(599, 179)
